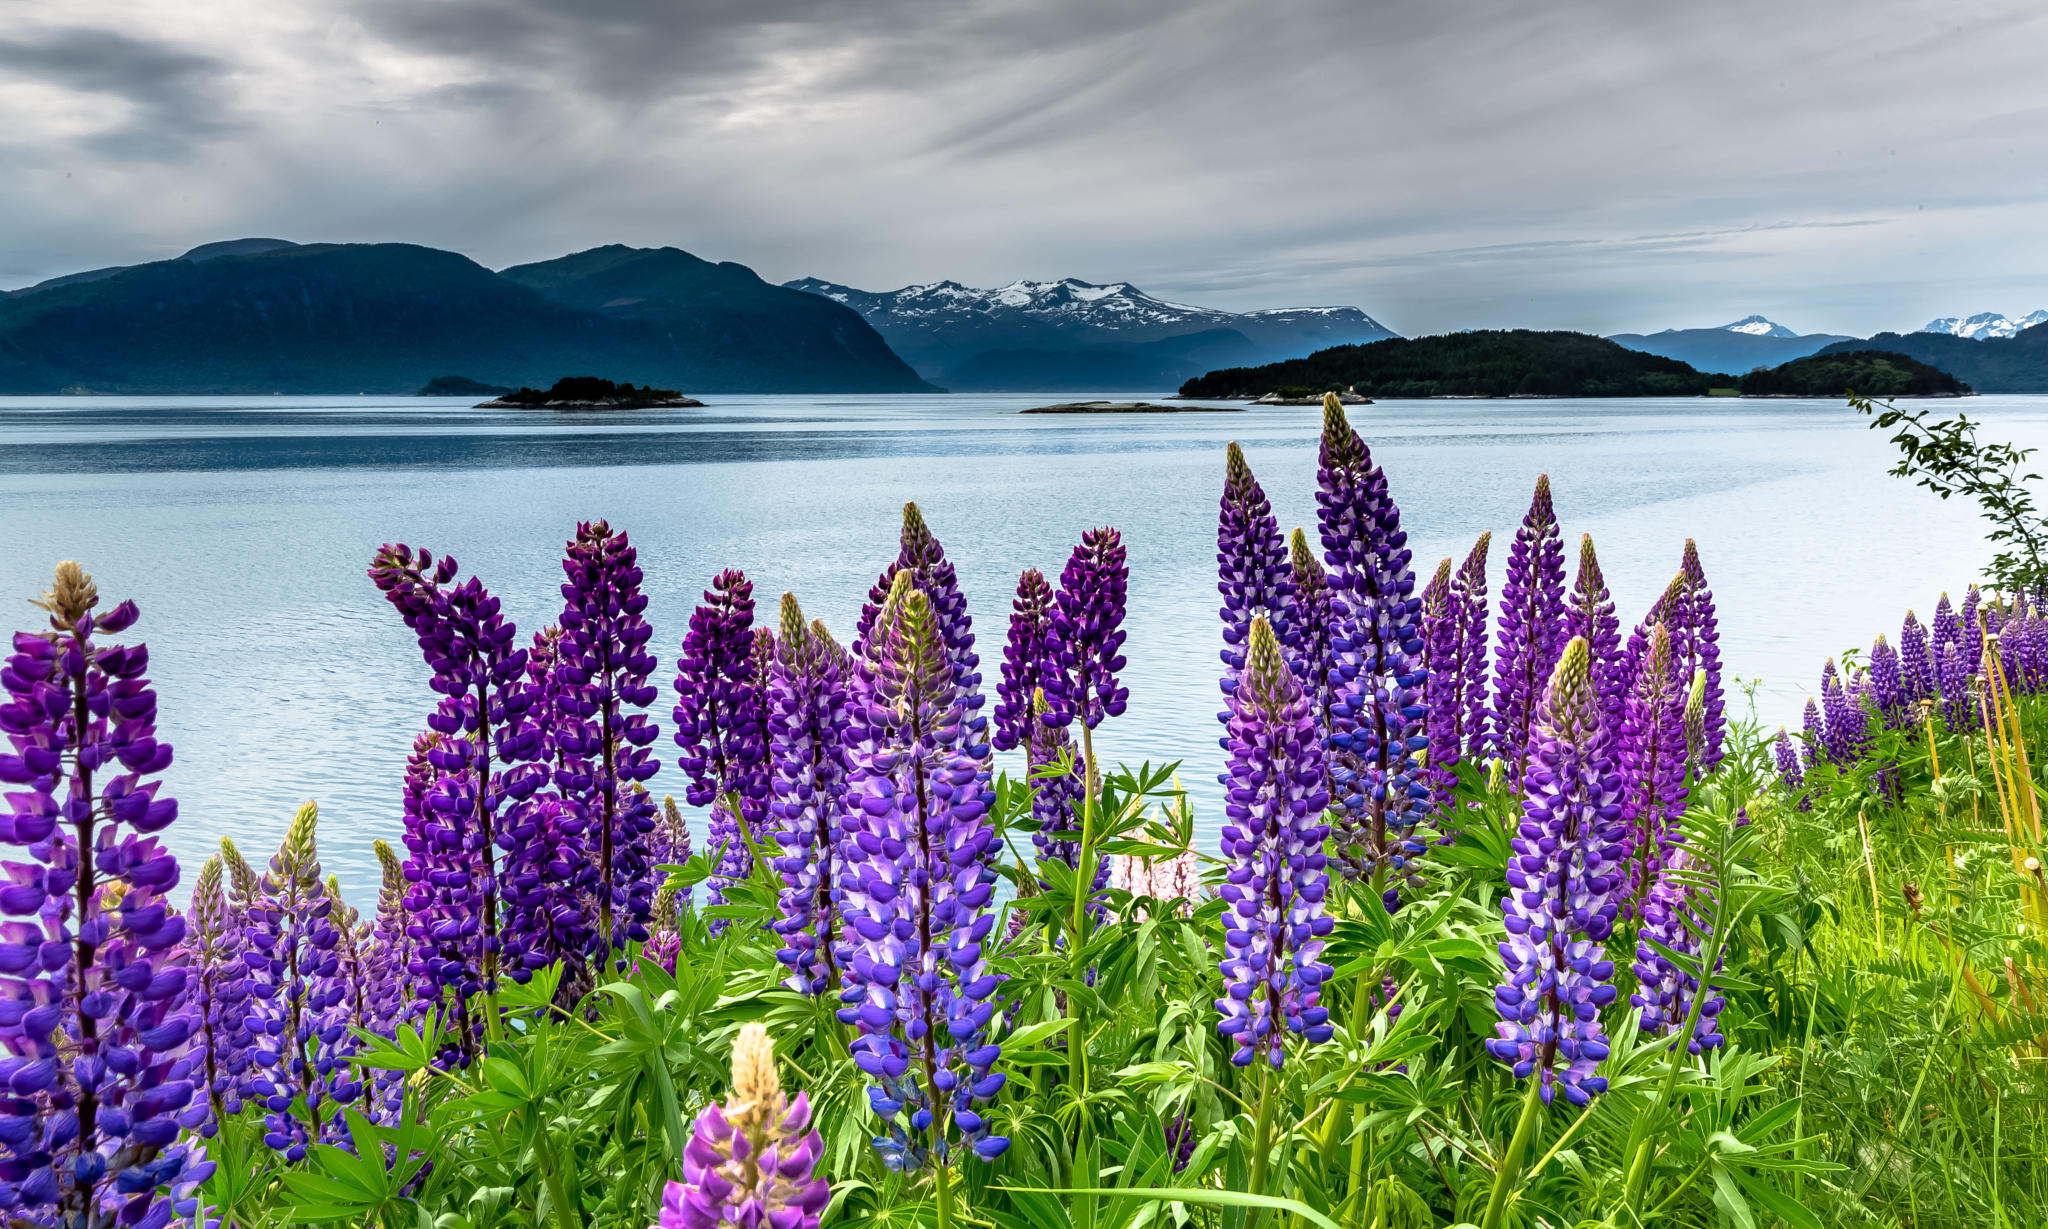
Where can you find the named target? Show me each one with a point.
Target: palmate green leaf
(1201, 1196)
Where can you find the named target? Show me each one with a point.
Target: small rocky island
(1130, 407)
(591, 393)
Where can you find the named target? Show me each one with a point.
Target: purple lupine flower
(1468, 589)
(1813, 741)
(916, 893)
(1377, 720)
(1847, 737)
(1180, 1140)
(752, 1162)
(1273, 834)
(1947, 630)
(1916, 660)
(1787, 757)
(931, 573)
(718, 725)
(1087, 622)
(219, 988)
(1564, 884)
(1952, 674)
(1589, 613)
(483, 760)
(551, 884)
(243, 884)
(1532, 616)
(1971, 629)
(93, 1044)
(604, 663)
(298, 1011)
(392, 999)
(1650, 752)
(1665, 991)
(1318, 617)
(1696, 645)
(672, 838)
(1441, 640)
(808, 712)
(1252, 567)
(1056, 796)
(1887, 683)
(1030, 659)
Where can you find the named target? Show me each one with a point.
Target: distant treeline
(1481, 363)
(1873, 373)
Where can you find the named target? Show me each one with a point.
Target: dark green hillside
(724, 317)
(2016, 364)
(1483, 363)
(1873, 373)
(386, 318)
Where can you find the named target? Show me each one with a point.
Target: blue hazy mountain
(1070, 334)
(2015, 364)
(264, 315)
(1740, 346)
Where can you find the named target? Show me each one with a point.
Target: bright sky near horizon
(1608, 165)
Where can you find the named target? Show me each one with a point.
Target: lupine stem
(1262, 1144)
(1642, 1138)
(942, 1177)
(1510, 1171)
(1077, 1034)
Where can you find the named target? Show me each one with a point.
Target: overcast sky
(1839, 165)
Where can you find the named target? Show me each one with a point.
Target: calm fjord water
(242, 526)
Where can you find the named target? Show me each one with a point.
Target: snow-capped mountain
(1753, 341)
(1984, 325)
(1757, 326)
(1074, 334)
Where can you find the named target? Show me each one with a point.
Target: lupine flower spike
(1030, 660)
(603, 650)
(932, 574)
(1701, 650)
(1651, 755)
(1916, 660)
(1088, 620)
(1468, 591)
(1665, 990)
(484, 771)
(752, 1163)
(1589, 614)
(916, 894)
(92, 1046)
(1377, 720)
(1319, 619)
(1277, 879)
(1562, 898)
(718, 725)
(300, 998)
(1252, 565)
(1532, 618)
(808, 712)
(220, 994)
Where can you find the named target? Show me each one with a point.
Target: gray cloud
(173, 97)
(1844, 164)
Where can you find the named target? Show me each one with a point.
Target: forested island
(592, 393)
(1873, 373)
(1481, 363)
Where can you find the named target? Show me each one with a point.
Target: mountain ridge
(324, 318)
(1078, 333)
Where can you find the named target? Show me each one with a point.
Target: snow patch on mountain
(1758, 326)
(1984, 325)
(1117, 307)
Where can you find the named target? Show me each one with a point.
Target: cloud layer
(1841, 166)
